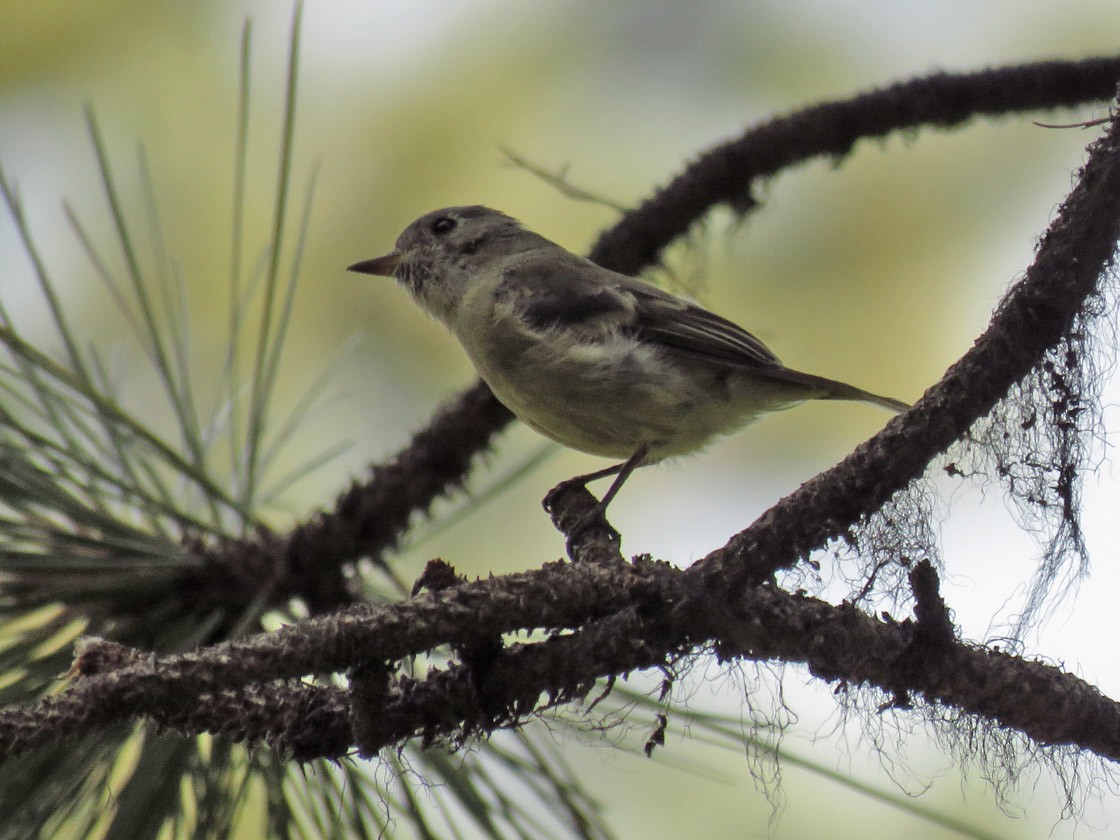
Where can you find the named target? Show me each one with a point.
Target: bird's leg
(623, 471)
(597, 514)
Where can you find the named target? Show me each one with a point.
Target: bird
(598, 361)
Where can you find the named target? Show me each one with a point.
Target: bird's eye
(442, 225)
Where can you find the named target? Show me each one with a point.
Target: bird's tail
(822, 388)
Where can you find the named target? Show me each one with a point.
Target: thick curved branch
(837, 643)
(728, 173)
(557, 596)
(1074, 257)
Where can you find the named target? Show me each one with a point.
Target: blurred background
(879, 272)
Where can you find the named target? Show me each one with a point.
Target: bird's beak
(385, 266)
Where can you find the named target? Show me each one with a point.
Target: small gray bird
(596, 360)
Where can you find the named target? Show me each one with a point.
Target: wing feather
(575, 294)
(694, 331)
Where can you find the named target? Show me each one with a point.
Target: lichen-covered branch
(1074, 258)
(240, 690)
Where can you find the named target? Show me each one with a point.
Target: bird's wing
(688, 329)
(574, 294)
